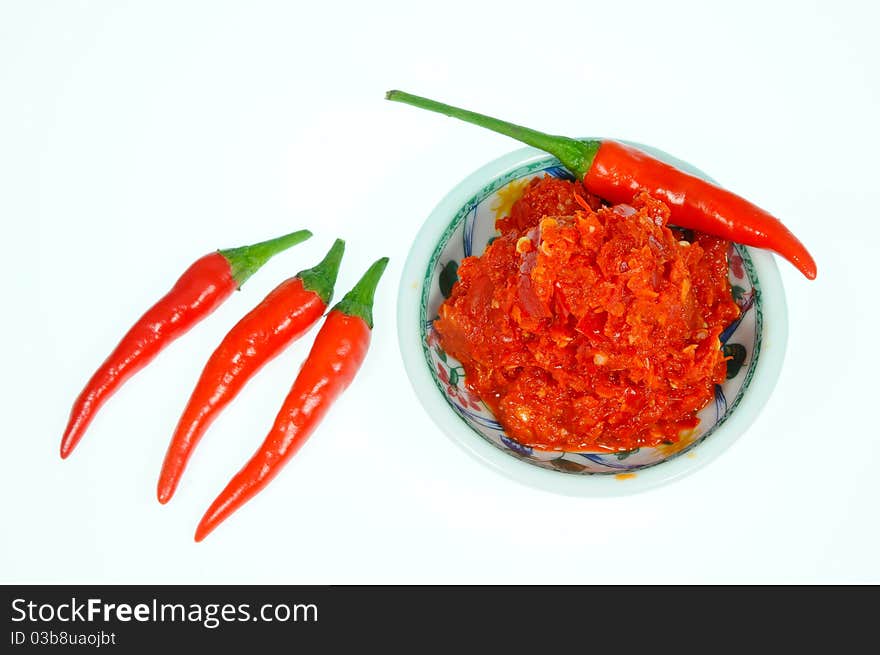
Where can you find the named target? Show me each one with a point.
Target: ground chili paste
(587, 327)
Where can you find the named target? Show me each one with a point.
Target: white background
(137, 136)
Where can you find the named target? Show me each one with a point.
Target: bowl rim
(767, 369)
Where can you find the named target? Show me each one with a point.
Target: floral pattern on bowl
(472, 227)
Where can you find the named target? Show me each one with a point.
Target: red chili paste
(586, 327)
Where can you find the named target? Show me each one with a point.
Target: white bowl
(461, 225)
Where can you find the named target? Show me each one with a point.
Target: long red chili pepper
(199, 291)
(616, 172)
(335, 357)
(285, 314)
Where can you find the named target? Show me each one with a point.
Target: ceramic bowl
(462, 225)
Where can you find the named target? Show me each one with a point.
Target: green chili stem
(576, 156)
(247, 260)
(322, 278)
(359, 301)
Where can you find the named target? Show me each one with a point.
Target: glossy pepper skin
(336, 355)
(616, 172)
(199, 291)
(287, 313)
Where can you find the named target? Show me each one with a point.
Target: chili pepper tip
(163, 495)
(75, 428)
(805, 263)
(201, 533)
(216, 514)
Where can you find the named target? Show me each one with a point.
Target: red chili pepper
(285, 314)
(200, 290)
(616, 172)
(335, 357)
